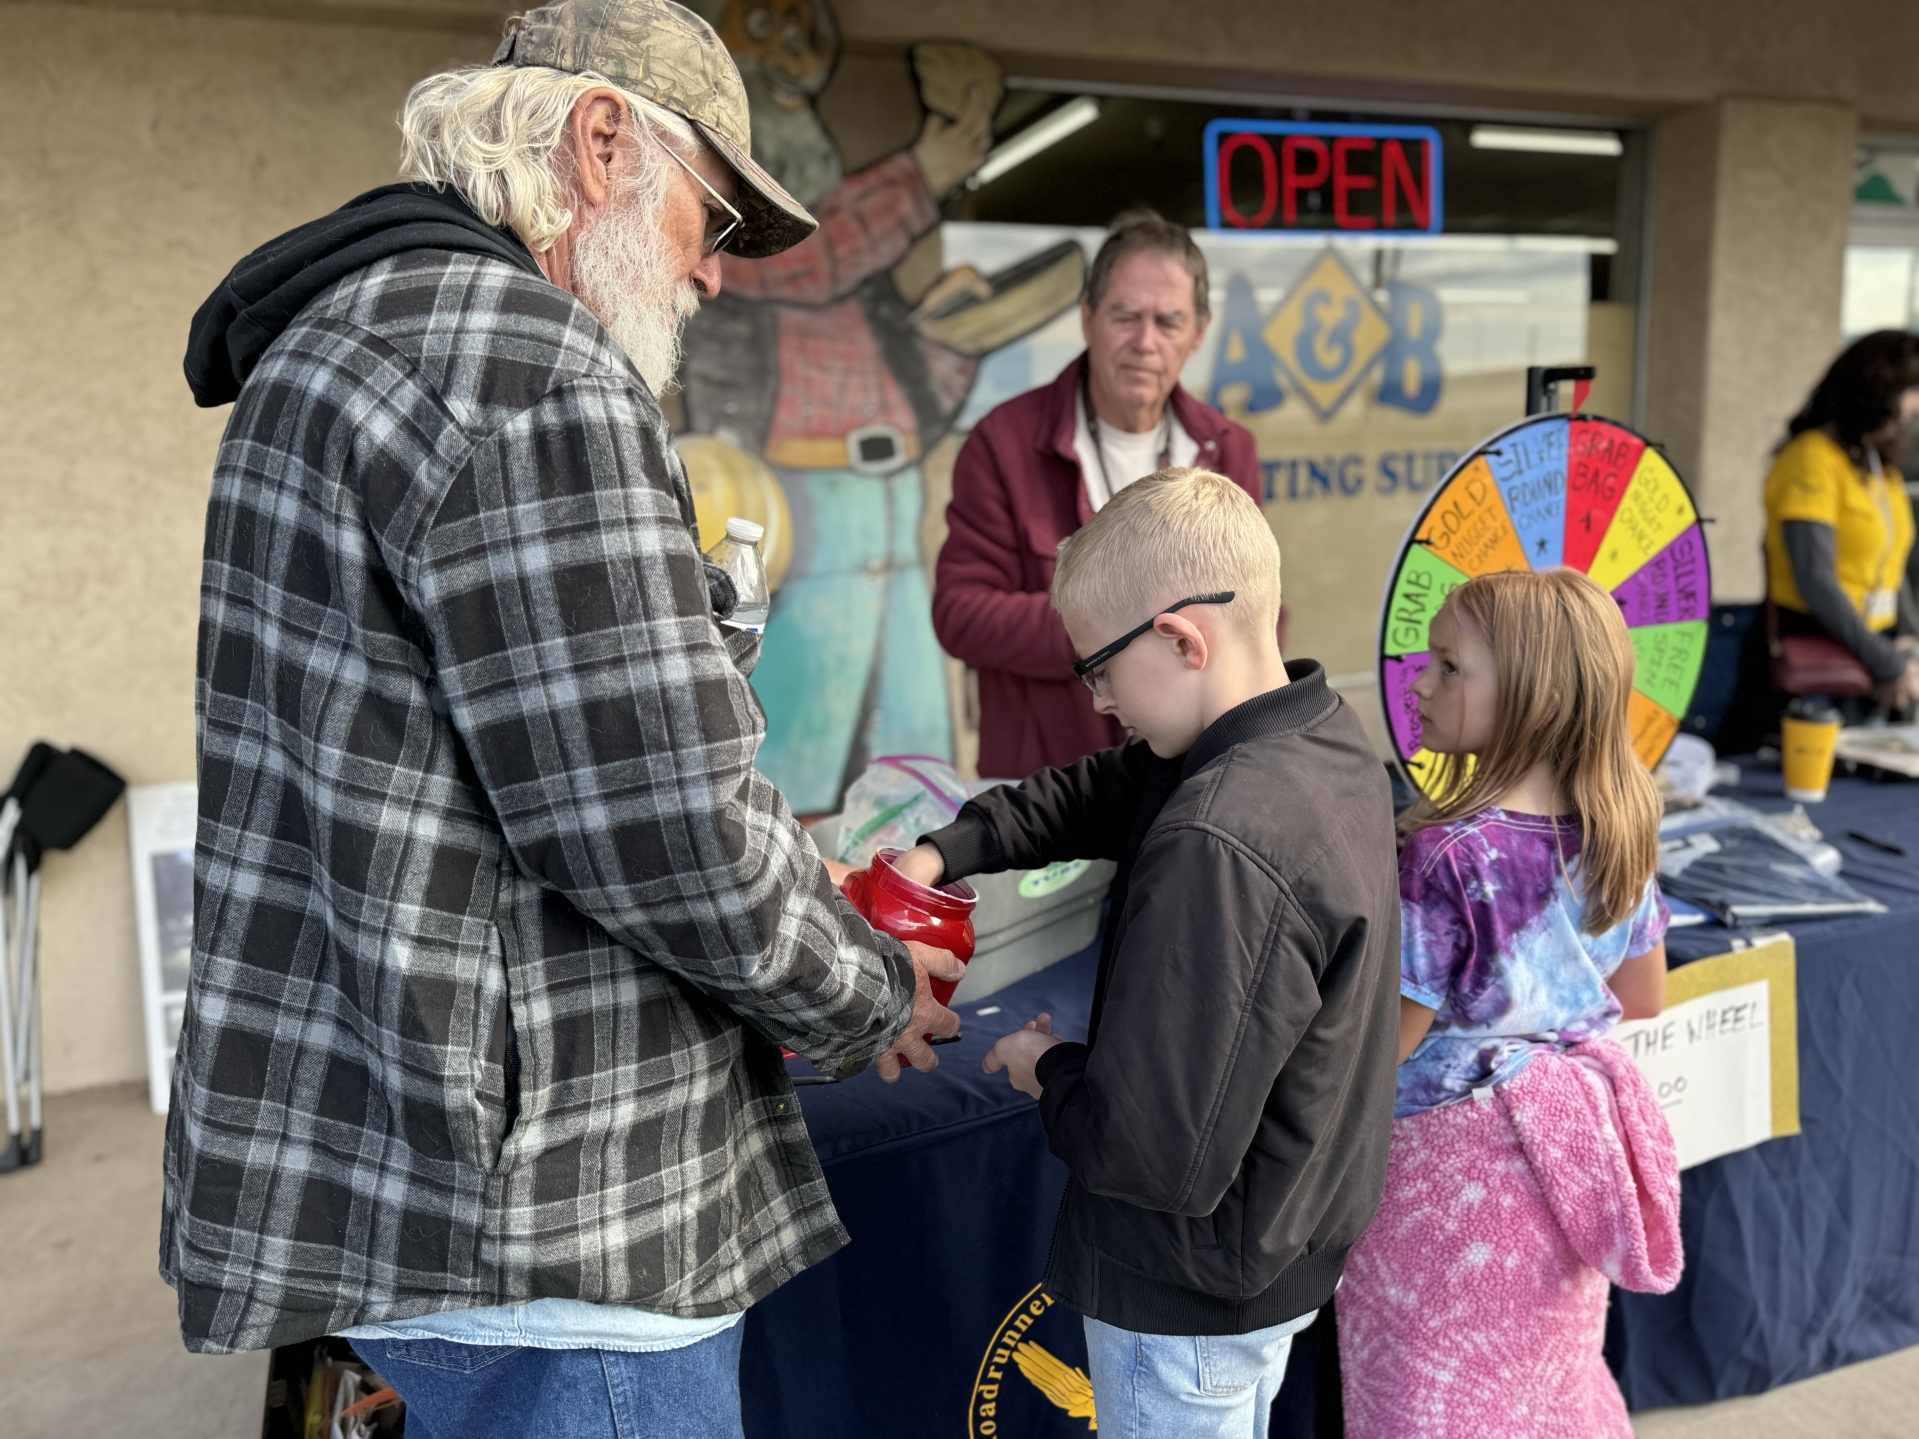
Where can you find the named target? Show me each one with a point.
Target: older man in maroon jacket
(1037, 467)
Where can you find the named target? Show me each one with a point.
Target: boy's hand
(1018, 1052)
(923, 864)
(929, 1015)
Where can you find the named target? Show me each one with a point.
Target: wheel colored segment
(1601, 459)
(1467, 525)
(1419, 767)
(1402, 705)
(1422, 767)
(1419, 589)
(1668, 659)
(1651, 515)
(1671, 587)
(1529, 466)
(1652, 729)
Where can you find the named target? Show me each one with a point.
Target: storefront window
(1882, 256)
(1535, 262)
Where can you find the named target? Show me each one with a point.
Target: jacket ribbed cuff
(969, 845)
(1059, 1057)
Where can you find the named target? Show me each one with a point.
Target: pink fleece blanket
(1476, 1303)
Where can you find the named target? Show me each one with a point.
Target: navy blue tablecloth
(945, 1184)
(1802, 1254)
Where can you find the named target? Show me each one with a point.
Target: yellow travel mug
(1808, 736)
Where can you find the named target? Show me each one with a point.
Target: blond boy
(1226, 1120)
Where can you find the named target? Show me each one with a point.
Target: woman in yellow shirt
(1839, 524)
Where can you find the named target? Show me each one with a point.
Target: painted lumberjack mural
(820, 379)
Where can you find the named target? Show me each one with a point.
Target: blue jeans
(486, 1391)
(1166, 1386)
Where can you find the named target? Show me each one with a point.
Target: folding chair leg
(10, 1157)
(29, 1045)
(31, 1131)
(27, 885)
(56, 798)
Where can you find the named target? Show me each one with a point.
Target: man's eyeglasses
(1091, 670)
(721, 225)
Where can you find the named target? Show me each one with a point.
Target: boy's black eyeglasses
(1088, 668)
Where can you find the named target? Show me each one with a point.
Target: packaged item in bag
(1745, 874)
(898, 799)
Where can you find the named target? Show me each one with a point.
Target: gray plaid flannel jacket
(497, 931)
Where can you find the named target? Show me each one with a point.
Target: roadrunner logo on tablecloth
(1025, 1389)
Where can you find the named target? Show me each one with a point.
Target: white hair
(631, 275)
(497, 134)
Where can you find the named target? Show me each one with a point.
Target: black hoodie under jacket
(260, 296)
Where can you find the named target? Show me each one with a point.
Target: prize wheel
(1585, 493)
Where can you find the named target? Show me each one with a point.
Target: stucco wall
(1750, 205)
(142, 153)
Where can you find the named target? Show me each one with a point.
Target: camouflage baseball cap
(665, 53)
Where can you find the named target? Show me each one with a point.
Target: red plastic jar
(906, 909)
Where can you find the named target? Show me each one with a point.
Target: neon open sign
(1292, 175)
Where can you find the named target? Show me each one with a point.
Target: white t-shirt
(1129, 457)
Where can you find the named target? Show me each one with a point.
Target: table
(1802, 1254)
(946, 1186)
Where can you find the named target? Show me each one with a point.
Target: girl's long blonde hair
(1565, 671)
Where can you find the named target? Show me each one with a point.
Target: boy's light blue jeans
(1166, 1386)
(496, 1391)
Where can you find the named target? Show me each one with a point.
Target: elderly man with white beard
(498, 934)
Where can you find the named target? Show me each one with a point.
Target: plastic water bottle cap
(744, 531)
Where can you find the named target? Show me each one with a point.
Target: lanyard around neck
(1099, 444)
(1881, 491)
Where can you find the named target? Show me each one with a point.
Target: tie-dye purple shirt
(1492, 941)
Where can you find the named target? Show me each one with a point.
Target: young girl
(1530, 1163)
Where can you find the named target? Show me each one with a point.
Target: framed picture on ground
(161, 820)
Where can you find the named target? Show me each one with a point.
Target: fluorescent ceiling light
(1546, 142)
(1072, 116)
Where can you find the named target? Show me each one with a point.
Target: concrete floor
(89, 1347)
(89, 1341)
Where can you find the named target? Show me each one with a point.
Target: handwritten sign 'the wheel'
(1724, 1057)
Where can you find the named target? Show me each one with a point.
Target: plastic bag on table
(899, 798)
(1793, 829)
(1745, 874)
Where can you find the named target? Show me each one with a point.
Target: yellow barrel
(728, 481)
